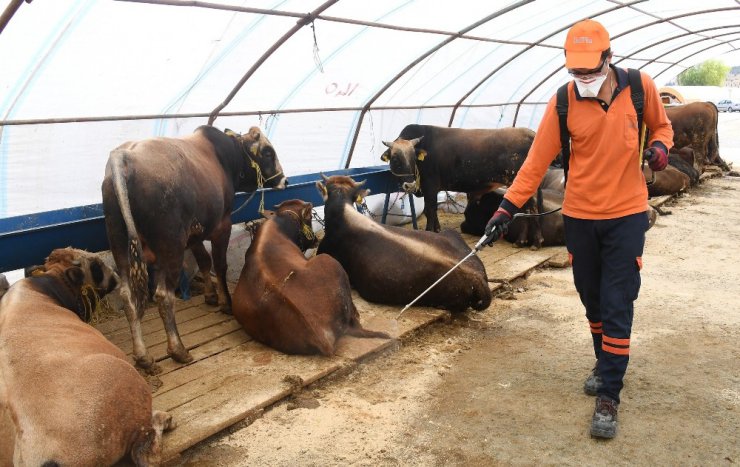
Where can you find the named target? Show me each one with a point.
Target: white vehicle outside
(727, 105)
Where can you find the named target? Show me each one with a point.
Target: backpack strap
(562, 108)
(637, 94)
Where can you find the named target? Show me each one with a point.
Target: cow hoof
(180, 356)
(226, 309)
(211, 299)
(163, 420)
(147, 364)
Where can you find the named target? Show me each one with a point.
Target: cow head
(402, 155)
(300, 214)
(342, 187)
(83, 273)
(263, 160)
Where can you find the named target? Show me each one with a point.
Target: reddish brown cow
(293, 304)
(667, 182)
(67, 395)
(164, 195)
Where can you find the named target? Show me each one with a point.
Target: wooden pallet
(232, 377)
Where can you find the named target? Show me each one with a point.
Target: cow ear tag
(253, 150)
(421, 154)
(385, 157)
(229, 132)
(358, 200)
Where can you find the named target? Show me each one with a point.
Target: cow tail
(147, 447)
(138, 276)
(715, 142)
(355, 328)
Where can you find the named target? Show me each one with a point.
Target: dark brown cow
(293, 304)
(536, 231)
(389, 264)
(430, 158)
(684, 160)
(695, 125)
(67, 395)
(163, 195)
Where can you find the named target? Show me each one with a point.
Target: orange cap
(584, 44)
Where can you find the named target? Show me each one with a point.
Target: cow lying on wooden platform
(163, 195)
(388, 264)
(67, 395)
(428, 159)
(293, 304)
(536, 231)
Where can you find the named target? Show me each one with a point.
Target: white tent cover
(327, 81)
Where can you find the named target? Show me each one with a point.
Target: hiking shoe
(593, 383)
(604, 421)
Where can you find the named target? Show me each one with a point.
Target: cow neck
(229, 154)
(66, 294)
(299, 232)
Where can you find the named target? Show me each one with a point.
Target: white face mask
(591, 87)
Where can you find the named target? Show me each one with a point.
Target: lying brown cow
(536, 231)
(67, 395)
(668, 181)
(389, 264)
(164, 195)
(293, 304)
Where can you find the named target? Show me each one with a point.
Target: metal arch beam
(520, 53)
(691, 43)
(10, 10)
(299, 24)
(664, 20)
(691, 55)
(369, 103)
(678, 36)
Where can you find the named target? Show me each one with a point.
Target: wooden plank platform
(233, 377)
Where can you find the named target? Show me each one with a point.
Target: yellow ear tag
(253, 150)
(385, 157)
(359, 199)
(422, 154)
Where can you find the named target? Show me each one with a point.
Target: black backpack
(638, 100)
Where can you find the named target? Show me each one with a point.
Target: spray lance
(484, 240)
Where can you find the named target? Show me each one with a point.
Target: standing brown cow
(695, 125)
(293, 304)
(164, 195)
(67, 395)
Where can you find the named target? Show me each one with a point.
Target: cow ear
(361, 194)
(267, 214)
(386, 156)
(75, 275)
(322, 190)
(307, 211)
(421, 154)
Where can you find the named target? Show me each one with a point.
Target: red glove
(497, 225)
(656, 158)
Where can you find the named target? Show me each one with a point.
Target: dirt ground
(504, 386)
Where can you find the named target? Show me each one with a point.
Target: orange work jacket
(605, 179)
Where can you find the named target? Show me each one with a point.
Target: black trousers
(606, 256)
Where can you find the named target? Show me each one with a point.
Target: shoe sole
(603, 433)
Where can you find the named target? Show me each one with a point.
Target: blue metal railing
(28, 239)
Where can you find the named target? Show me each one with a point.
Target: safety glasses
(588, 74)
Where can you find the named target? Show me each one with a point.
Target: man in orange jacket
(605, 205)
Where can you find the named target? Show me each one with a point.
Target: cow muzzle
(409, 187)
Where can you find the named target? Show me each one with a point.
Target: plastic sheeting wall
(136, 69)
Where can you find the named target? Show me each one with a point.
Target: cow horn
(359, 184)
(387, 144)
(416, 141)
(324, 177)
